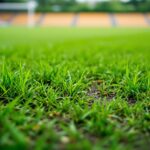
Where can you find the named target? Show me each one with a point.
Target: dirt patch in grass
(94, 91)
(91, 137)
(131, 100)
(95, 94)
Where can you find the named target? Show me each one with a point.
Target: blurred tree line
(104, 6)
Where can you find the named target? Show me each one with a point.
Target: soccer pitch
(74, 88)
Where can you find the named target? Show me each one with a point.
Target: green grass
(74, 88)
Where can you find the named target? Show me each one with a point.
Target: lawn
(75, 88)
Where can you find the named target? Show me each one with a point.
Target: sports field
(75, 88)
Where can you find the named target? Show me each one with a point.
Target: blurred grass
(74, 88)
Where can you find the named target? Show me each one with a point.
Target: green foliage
(74, 88)
(104, 6)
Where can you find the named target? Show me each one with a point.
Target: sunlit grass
(74, 88)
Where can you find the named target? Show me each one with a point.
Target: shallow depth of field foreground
(75, 88)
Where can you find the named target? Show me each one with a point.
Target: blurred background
(95, 13)
(90, 5)
(96, 5)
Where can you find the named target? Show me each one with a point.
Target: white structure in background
(30, 6)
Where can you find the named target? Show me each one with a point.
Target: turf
(74, 88)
